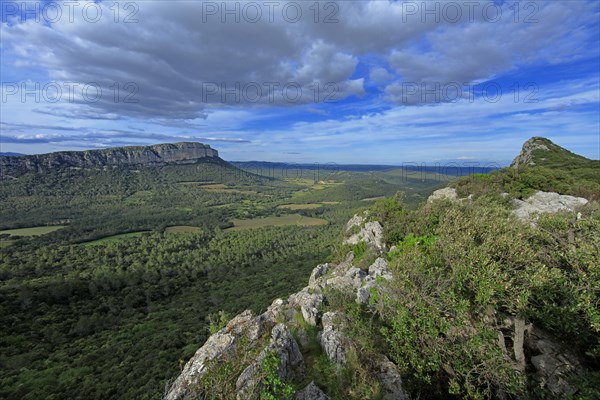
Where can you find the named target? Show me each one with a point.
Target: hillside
(161, 154)
(542, 152)
(541, 165)
(116, 273)
(465, 297)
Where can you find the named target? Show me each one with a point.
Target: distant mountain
(10, 154)
(542, 152)
(178, 153)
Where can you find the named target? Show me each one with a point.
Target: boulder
(218, 346)
(545, 202)
(445, 193)
(380, 268)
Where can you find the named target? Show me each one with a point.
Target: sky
(353, 82)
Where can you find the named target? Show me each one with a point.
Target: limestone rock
(309, 305)
(445, 193)
(363, 294)
(545, 202)
(311, 392)
(371, 233)
(160, 154)
(380, 268)
(525, 157)
(332, 340)
(390, 380)
(319, 271)
(220, 346)
(291, 365)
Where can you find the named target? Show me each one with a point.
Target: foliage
(458, 275)
(274, 388)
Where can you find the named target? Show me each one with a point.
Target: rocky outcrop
(178, 153)
(545, 202)
(444, 193)
(368, 232)
(271, 332)
(332, 339)
(526, 156)
(284, 331)
(291, 364)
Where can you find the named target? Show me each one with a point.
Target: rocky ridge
(177, 153)
(270, 332)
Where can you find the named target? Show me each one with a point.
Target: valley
(126, 288)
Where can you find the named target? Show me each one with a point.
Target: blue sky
(372, 82)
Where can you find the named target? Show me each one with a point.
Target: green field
(293, 219)
(6, 243)
(182, 229)
(300, 206)
(34, 231)
(115, 238)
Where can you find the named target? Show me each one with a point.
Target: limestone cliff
(177, 153)
(539, 151)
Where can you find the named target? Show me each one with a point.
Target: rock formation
(178, 153)
(545, 202)
(526, 157)
(269, 333)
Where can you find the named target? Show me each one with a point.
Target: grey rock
(525, 157)
(545, 202)
(380, 268)
(356, 220)
(311, 392)
(160, 154)
(371, 233)
(319, 271)
(219, 346)
(444, 193)
(309, 305)
(386, 372)
(363, 294)
(291, 365)
(332, 340)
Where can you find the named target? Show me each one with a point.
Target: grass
(6, 243)
(292, 219)
(34, 231)
(182, 229)
(309, 206)
(114, 238)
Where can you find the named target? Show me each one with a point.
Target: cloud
(379, 75)
(178, 60)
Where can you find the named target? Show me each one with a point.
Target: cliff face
(542, 152)
(526, 157)
(178, 153)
